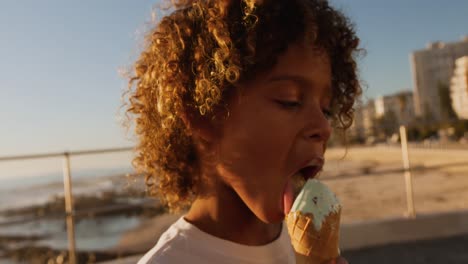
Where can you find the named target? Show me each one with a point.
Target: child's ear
(200, 126)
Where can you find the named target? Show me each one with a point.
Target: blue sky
(59, 62)
(391, 30)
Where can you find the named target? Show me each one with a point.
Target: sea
(92, 234)
(18, 192)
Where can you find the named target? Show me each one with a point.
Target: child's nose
(319, 128)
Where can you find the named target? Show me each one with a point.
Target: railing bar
(99, 151)
(407, 173)
(60, 154)
(69, 210)
(35, 156)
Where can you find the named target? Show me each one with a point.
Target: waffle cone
(314, 246)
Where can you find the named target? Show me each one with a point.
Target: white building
(357, 129)
(459, 88)
(368, 118)
(371, 119)
(432, 66)
(401, 105)
(363, 123)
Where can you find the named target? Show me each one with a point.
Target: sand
(370, 182)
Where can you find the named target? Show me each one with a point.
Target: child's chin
(272, 217)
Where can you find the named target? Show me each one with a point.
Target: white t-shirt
(185, 243)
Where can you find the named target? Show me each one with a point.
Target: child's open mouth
(309, 171)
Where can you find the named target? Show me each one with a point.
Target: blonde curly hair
(195, 55)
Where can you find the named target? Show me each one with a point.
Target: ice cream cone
(315, 236)
(314, 246)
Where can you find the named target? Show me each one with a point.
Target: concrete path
(430, 238)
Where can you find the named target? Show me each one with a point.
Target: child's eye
(289, 104)
(327, 113)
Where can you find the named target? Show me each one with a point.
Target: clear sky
(59, 62)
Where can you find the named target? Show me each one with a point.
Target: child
(234, 101)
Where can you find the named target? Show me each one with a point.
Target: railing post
(408, 178)
(69, 211)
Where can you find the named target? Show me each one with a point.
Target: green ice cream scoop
(317, 199)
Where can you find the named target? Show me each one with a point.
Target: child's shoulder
(171, 241)
(185, 243)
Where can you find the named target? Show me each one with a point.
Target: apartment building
(459, 88)
(400, 105)
(431, 67)
(364, 120)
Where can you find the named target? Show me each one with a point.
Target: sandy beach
(370, 183)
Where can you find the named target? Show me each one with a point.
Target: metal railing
(70, 212)
(408, 177)
(67, 185)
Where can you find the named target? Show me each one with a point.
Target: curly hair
(198, 52)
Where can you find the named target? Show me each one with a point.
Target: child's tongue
(288, 197)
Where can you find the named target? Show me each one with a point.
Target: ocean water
(98, 233)
(90, 233)
(6, 261)
(27, 191)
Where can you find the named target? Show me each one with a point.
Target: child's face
(275, 127)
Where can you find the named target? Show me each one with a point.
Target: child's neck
(225, 216)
